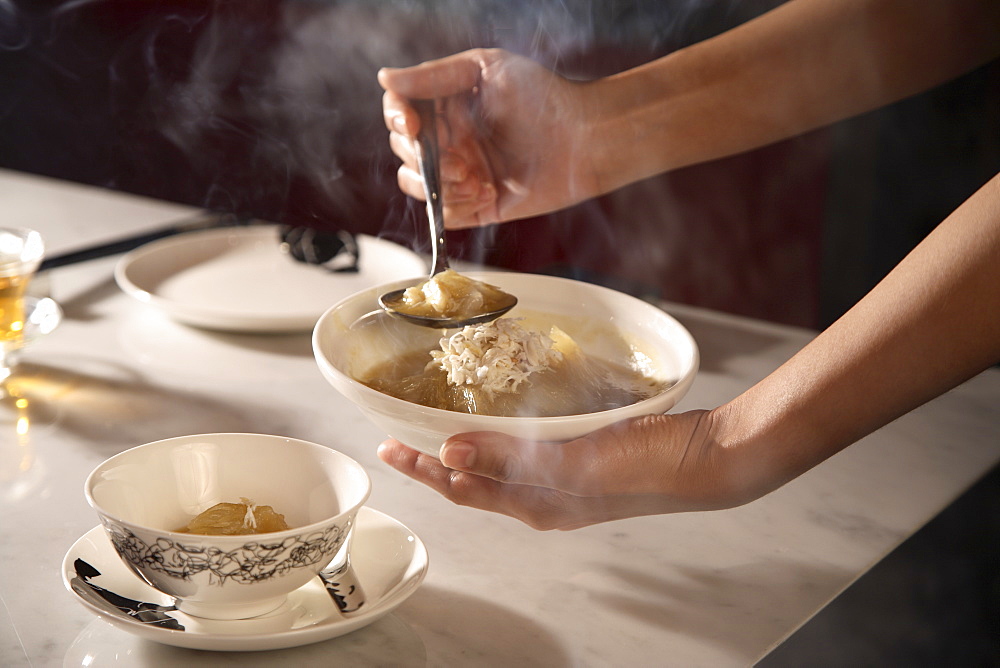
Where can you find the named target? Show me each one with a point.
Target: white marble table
(699, 589)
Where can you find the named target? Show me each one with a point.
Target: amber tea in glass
(20, 254)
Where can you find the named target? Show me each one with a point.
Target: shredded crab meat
(249, 520)
(496, 356)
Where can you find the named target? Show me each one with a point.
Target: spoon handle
(429, 154)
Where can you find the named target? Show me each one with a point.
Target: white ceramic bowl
(144, 493)
(352, 337)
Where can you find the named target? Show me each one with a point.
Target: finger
(402, 146)
(399, 116)
(402, 118)
(407, 460)
(464, 190)
(538, 507)
(475, 201)
(454, 169)
(465, 213)
(460, 488)
(632, 456)
(457, 73)
(472, 213)
(410, 183)
(562, 466)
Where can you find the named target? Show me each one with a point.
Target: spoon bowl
(393, 302)
(390, 299)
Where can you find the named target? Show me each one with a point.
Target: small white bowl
(353, 336)
(143, 494)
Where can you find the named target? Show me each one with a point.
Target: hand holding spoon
(447, 299)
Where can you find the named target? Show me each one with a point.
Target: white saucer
(239, 279)
(389, 560)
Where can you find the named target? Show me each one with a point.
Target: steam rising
(271, 109)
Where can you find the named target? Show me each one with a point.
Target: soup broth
(575, 385)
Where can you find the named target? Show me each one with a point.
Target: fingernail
(458, 455)
(399, 124)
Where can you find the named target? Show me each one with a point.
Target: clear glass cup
(21, 252)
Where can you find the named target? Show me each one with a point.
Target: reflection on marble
(84, 396)
(21, 472)
(23, 407)
(24, 418)
(388, 642)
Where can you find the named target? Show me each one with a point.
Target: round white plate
(389, 560)
(238, 278)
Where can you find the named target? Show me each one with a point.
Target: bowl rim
(271, 536)
(484, 421)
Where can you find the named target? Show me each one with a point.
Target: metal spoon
(429, 157)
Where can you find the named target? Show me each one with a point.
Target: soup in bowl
(616, 357)
(156, 500)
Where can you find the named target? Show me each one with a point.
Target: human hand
(642, 466)
(511, 135)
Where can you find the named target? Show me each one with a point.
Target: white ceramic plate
(389, 560)
(238, 279)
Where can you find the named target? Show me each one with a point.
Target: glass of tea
(21, 252)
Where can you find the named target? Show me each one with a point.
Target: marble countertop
(698, 589)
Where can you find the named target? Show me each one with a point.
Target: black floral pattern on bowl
(254, 561)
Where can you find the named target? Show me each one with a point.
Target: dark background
(271, 110)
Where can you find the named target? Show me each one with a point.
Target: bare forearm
(931, 324)
(803, 65)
